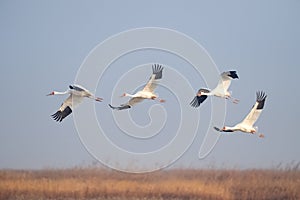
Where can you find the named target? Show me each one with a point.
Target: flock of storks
(77, 93)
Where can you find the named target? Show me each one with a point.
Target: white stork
(146, 93)
(247, 124)
(220, 91)
(76, 95)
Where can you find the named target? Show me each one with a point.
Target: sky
(44, 43)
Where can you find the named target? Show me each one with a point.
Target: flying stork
(76, 95)
(220, 91)
(146, 93)
(247, 124)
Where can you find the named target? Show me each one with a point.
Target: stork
(220, 91)
(146, 93)
(247, 124)
(76, 95)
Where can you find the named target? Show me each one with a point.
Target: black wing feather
(217, 129)
(60, 115)
(74, 87)
(220, 130)
(233, 74)
(198, 100)
(229, 131)
(157, 70)
(260, 99)
(122, 107)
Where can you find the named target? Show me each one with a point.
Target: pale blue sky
(43, 44)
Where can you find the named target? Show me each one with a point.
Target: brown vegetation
(186, 184)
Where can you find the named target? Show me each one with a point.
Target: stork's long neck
(61, 93)
(206, 93)
(129, 95)
(230, 127)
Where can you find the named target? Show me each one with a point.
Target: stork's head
(51, 93)
(124, 94)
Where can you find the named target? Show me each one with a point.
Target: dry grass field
(95, 183)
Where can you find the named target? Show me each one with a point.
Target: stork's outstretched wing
(121, 107)
(156, 75)
(66, 107)
(61, 114)
(80, 90)
(198, 99)
(64, 110)
(76, 87)
(256, 109)
(225, 80)
(127, 105)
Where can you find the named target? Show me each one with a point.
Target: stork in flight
(247, 124)
(76, 95)
(220, 91)
(146, 93)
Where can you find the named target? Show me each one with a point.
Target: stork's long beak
(50, 94)
(99, 99)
